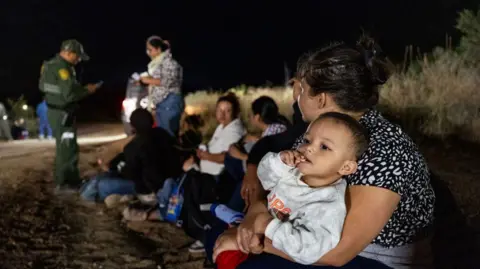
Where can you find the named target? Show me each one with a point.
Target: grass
(440, 100)
(436, 95)
(204, 102)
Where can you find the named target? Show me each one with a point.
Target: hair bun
(375, 59)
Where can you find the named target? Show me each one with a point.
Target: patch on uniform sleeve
(64, 74)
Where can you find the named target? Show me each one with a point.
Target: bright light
(5, 117)
(24, 107)
(191, 110)
(129, 104)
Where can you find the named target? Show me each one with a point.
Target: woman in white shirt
(229, 131)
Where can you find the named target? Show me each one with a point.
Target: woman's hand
(202, 154)
(145, 80)
(251, 138)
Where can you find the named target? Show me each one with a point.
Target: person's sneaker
(196, 247)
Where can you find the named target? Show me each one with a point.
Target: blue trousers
(168, 113)
(268, 261)
(44, 125)
(103, 185)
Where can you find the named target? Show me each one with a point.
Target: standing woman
(164, 80)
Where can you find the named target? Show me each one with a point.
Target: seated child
(307, 189)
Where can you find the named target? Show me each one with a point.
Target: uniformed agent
(62, 93)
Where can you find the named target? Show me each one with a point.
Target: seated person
(229, 131)
(307, 191)
(150, 162)
(190, 136)
(265, 117)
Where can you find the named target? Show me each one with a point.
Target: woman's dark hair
(158, 43)
(350, 74)
(266, 107)
(233, 100)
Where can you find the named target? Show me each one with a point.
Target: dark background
(220, 44)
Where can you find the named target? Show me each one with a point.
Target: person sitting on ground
(150, 164)
(307, 189)
(264, 116)
(229, 131)
(190, 136)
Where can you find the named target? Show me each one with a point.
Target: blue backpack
(176, 202)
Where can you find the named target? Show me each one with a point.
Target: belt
(56, 107)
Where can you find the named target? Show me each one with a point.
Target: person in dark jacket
(148, 163)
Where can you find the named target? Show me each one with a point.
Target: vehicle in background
(136, 96)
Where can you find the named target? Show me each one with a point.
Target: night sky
(220, 44)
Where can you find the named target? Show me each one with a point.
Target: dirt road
(87, 135)
(41, 230)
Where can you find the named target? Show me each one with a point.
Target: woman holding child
(389, 200)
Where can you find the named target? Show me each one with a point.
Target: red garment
(230, 259)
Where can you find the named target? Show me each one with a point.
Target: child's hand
(291, 157)
(226, 241)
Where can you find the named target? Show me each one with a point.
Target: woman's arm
(252, 190)
(151, 81)
(212, 157)
(236, 153)
(368, 211)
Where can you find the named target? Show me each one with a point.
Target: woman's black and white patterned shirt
(393, 161)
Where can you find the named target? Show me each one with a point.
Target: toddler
(307, 189)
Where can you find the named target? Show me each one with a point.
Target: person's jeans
(163, 196)
(269, 261)
(103, 185)
(44, 126)
(168, 113)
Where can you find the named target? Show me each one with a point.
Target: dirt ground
(41, 230)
